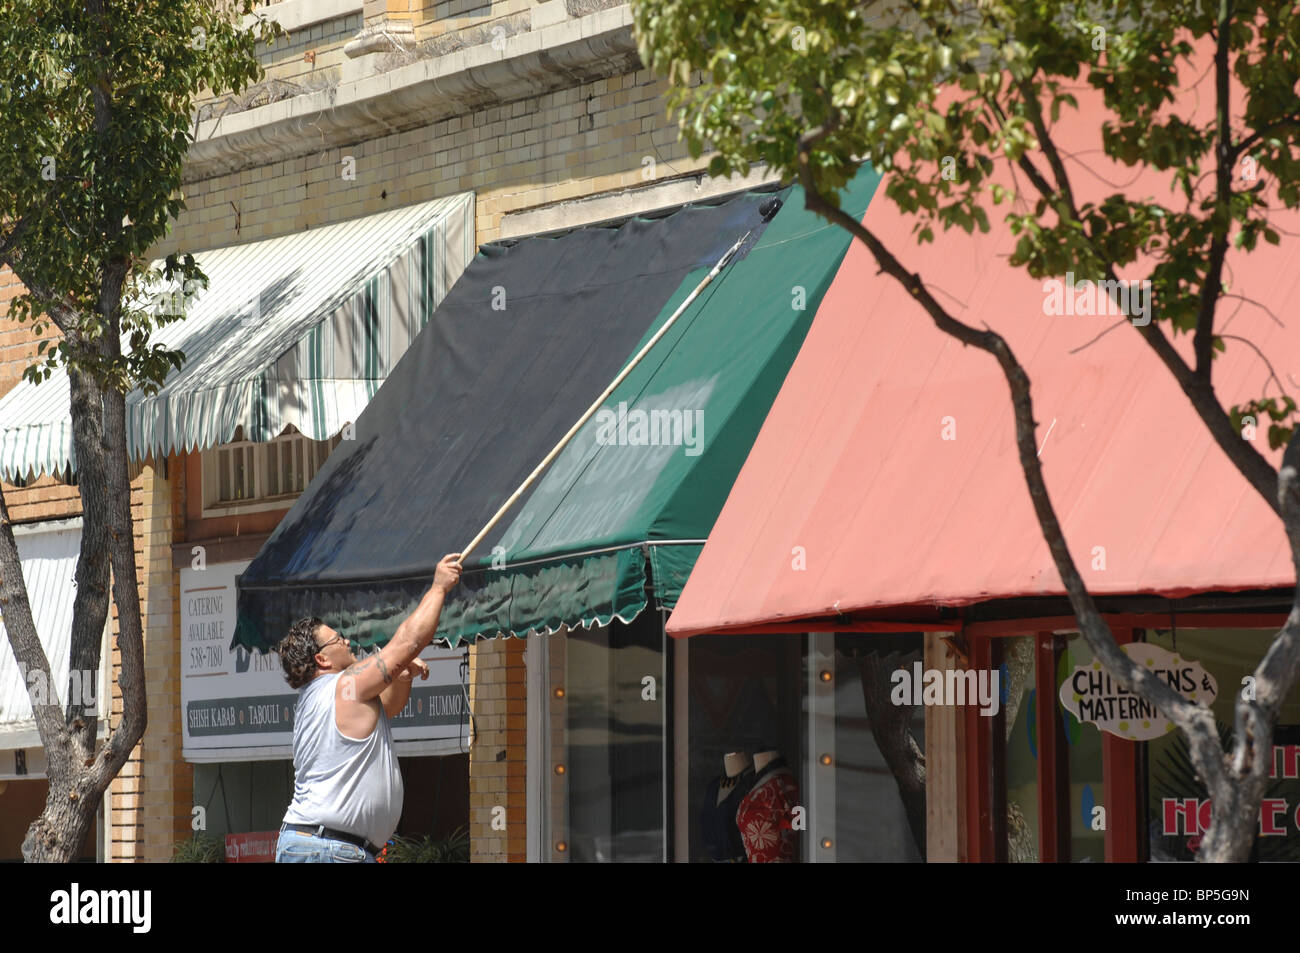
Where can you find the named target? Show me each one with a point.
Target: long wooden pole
(596, 404)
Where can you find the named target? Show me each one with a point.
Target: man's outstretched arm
(395, 696)
(369, 677)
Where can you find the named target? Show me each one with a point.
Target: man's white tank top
(348, 784)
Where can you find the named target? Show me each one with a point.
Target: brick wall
(287, 59)
(43, 499)
(498, 758)
(17, 345)
(151, 797)
(167, 779)
(576, 142)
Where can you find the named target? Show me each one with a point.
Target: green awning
(644, 510)
(621, 515)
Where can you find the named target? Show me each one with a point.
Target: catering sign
(236, 703)
(1092, 695)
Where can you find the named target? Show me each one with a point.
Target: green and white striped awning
(299, 330)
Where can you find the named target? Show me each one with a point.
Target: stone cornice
(299, 14)
(556, 57)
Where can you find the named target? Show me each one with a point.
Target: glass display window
(1016, 683)
(604, 741)
(1083, 747)
(1178, 804)
(801, 749)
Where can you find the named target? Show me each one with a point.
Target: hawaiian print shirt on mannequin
(764, 816)
(718, 829)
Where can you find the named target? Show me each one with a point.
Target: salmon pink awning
(885, 482)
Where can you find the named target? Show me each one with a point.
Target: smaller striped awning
(299, 330)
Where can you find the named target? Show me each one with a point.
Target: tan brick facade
(312, 55)
(44, 498)
(152, 795)
(582, 141)
(497, 698)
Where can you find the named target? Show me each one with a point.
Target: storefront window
(240, 796)
(879, 752)
(745, 696)
(799, 751)
(1016, 680)
(1083, 742)
(605, 768)
(1177, 801)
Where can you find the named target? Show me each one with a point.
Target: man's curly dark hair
(298, 652)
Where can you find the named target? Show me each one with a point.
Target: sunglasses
(337, 638)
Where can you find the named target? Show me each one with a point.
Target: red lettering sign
(1191, 817)
(1269, 809)
(254, 848)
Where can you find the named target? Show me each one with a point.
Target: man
(347, 788)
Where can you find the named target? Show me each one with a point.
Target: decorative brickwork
(597, 137)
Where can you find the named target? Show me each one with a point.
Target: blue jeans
(294, 847)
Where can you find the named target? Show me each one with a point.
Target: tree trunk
(1238, 787)
(893, 736)
(78, 774)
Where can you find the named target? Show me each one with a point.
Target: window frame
(211, 461)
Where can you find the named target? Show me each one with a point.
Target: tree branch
(1203, 338)
(1267, 363)
(1198, 388)
(1035, 110)
(1258, 135)
(10, 241)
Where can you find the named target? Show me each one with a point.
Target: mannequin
(721, 837)
(734, 764)
(766, 812)
(764, 758)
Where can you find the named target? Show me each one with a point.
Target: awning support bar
(596, 404)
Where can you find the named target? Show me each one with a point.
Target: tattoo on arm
(383, 670)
